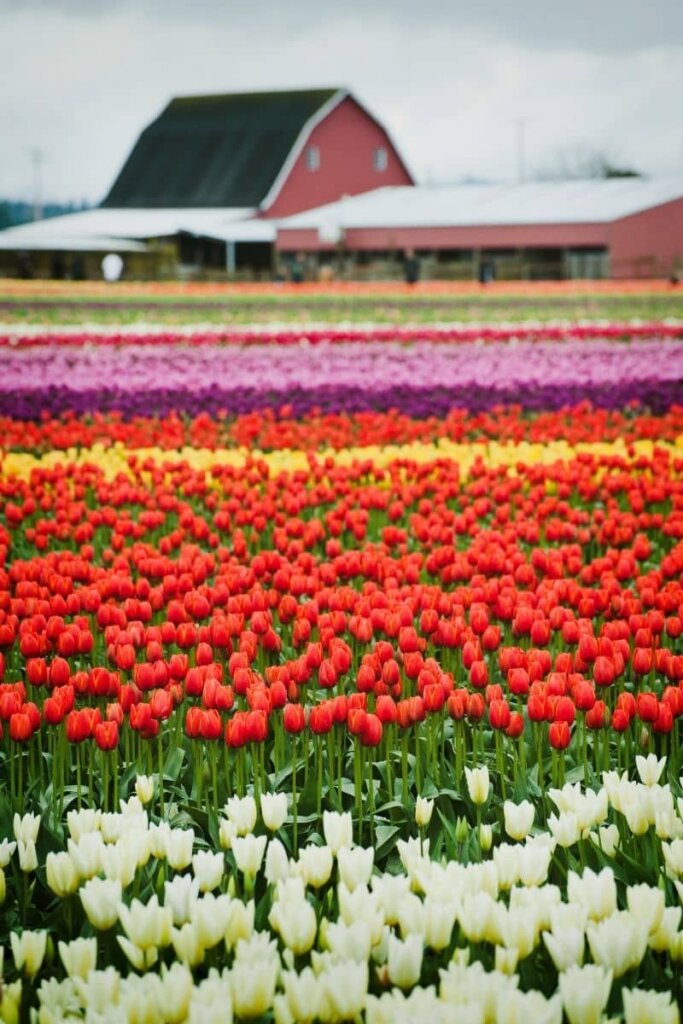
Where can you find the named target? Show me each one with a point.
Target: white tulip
(345, 990)
(618, 942)
(355, 865)
(28, 857)
(253, 987)
(349, 941)
(277, 862)
(534, 865)
(179, 844)
(141, 959)
(273, 810)
(28, 950)
(147, 925)
(208, 869)
(519, 818)
(296, 923)
(173, 995)
(240, 925)
(86, 853)
(241, 811)
(423, 812)
(315, 865)
(101, 898)
(585, 991)
(211, 1001)
(665, 937)
(179, 896)
(6, 851)
(477, 784)
(565, 829)
(566, 948)
(644, 1007)
(303, 994)
(100, 990)
(26, 828)
(80, 822)
(646, 903)
(62, 876)
(144, 788)
(211, 916)
(248, 851)
(227, 832)
(439, 920)
(404, 960)
(79, 957)
(596, 893)
(650, 769)
(338, 830)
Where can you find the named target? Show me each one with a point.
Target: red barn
(619, 228)
(275, 152)
(208, 176)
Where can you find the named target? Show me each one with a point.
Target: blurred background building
(308, 183)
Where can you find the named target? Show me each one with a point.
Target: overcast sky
(449, 79)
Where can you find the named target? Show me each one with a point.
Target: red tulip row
(569, 331)
(267, 430)
(235, 606)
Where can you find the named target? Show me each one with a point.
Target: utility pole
(37, 160)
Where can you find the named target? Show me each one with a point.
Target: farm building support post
(230, 262)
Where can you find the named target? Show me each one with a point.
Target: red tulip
(106, 735)
(559, 735)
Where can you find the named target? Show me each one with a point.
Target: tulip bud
(423, 812)
(485, 838)
(462, 829)
(28, 858)
(144, 788)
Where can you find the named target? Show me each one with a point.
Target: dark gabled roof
(215, 150)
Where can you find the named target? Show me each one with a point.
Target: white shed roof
(91, 229)
(562, 202)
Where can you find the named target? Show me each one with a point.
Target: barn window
(380, 159)
(313, 158)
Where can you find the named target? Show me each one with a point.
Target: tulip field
(341, 659)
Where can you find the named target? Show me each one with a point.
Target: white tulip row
(344, 941)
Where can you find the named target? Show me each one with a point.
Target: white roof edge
(67, 243)
(533, 203)
(301, 140)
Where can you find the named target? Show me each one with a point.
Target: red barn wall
(647, 244)
(516, 236)
(346, 139)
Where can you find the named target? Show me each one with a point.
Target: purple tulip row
(421, 379)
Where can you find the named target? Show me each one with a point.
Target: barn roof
(557, 202)
(114, 229)
(216, 151)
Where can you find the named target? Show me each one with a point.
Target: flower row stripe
(421, 379)
(119, 459)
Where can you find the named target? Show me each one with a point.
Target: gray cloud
(587, 24)
(81, 78)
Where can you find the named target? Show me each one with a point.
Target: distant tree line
(14, 212)
(580, 163)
